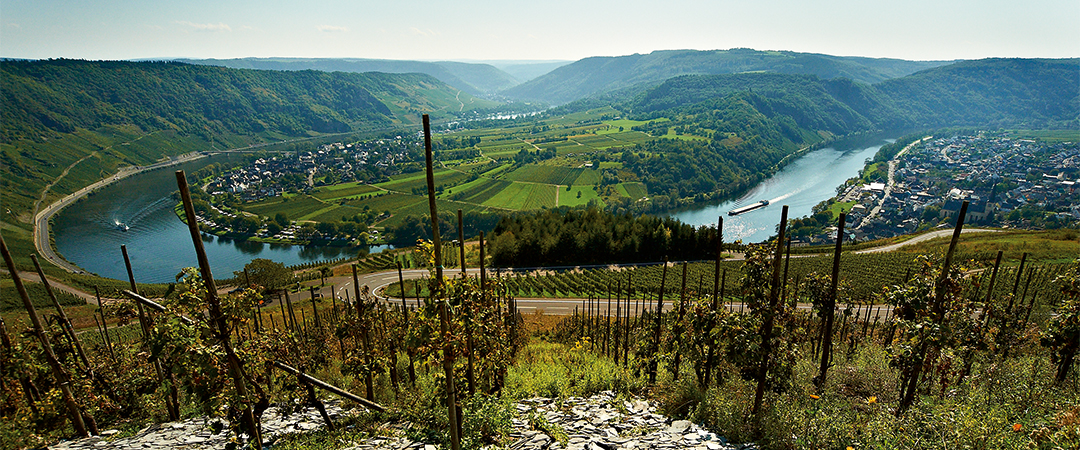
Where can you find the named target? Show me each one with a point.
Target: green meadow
(585, 147)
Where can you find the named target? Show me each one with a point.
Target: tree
(272, 228)
(270, 275)
(281, 219)
(306, 231)
(245, 224)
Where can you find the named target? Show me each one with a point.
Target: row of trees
(592, 236)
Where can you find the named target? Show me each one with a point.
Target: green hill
(89, 117)
(1024, 93)
(474, 79)
(591, 76)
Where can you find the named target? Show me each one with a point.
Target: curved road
(923, 238)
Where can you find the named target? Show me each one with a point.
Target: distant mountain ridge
(591, 76)
(474, 79)
(1030, 93)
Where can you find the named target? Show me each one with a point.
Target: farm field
(583, 147)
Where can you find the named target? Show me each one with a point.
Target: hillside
(59, 113)
(992, 92)
(474, 79)
(1026, 93)
(596, 75)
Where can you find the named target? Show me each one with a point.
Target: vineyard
(843, 351)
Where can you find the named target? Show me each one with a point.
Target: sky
(534, 30)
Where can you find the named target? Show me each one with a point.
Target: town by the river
(138, 212)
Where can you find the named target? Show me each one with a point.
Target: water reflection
(88, 233)
(801, 185)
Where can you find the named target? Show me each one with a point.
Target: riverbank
(41, 218)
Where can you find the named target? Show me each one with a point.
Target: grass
(578, 196)
(541, 196)
(633, 190)
(345, 190)
(512, 197)
(294, 207)
(1051, 246)
(838, 207)
(547, 174)
(556, 370)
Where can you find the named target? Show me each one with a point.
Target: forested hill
(597, 75)
(1022, 93)
(86, 118)
(1029, 93)
(474, 79)
(61, 96)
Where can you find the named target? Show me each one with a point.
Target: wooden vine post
(172, 403)
(677, 329)
(770, 319)
(62, 378)
(908, 386)
(657, 327)
(470, 374)
(65, 323)
(365, 337)
(444, 314)
(236, 370)
(829, 309)
(710, 358)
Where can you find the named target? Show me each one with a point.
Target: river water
(802, 184)
(158, 243)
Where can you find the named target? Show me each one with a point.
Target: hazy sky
(534, 30)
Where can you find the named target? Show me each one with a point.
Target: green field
(478, 191)
(345, 190)
(579, 195)
(579, 139)
(513, 197)
(545, 174)
(1047, 135)
(633, 190)
(295, 207)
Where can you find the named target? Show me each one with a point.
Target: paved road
(891, 180)
(923, 238)
(377, 283)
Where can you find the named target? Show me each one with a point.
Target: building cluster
(1006, 182)
(367, 161)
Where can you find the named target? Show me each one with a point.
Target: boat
(122, 227)
(748, 208)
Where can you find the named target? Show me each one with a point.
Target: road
(922, 238)
(892, 180)
(377, 283)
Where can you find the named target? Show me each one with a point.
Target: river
(802, 184)
(158, 243)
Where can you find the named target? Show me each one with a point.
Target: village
(1009, 183)
(369, 161)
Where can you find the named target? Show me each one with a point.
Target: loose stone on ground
(600, 422)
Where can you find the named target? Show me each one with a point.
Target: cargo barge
(748, 208)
